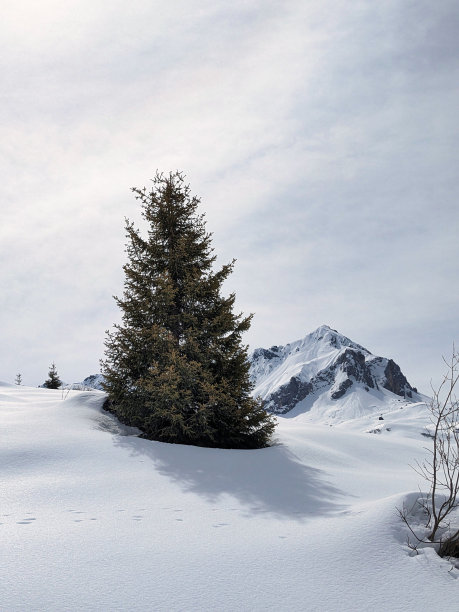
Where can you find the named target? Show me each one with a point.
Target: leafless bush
(441, 468)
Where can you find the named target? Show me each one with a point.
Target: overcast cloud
(322, 137)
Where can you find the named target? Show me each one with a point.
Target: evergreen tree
(175, 367)
(18, 379)
(53, 382)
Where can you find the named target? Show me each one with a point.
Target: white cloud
(321, 137)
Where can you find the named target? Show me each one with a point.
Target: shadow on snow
(270, 480)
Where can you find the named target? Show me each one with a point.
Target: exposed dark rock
(396, 381)
(288, 396)
(265, 353)
(344, 386)
(353, 363)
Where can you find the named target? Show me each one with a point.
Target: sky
(320, 135)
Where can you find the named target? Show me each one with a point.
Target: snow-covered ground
(94, 518)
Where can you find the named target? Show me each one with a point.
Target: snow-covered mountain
(94, 381)
(329, 376)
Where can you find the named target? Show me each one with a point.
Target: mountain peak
(321, 339)
(323, 329)
(323, 365)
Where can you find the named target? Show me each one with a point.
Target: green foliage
(175, 367)
(53, 381)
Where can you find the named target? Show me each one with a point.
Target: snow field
(93, 518)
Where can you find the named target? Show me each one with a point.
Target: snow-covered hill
(95, 518)
(328, 376)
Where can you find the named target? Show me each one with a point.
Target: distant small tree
(53, 382)
(441, 468)
(18, 379)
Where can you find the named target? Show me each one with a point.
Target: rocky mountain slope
(327, 371)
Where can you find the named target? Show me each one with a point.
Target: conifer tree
(176, 367)
(53, 382)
